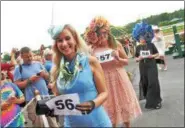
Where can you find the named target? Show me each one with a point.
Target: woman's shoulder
(8, 84)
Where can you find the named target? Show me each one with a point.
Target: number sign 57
(104, 56)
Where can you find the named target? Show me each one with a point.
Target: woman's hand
(118, 60)
(12, 100)
(4, 105)
(139, 58)
(34, 78)
(44, 74)
(115, 54)
(150, 56)
(50, 85)
(86, 107)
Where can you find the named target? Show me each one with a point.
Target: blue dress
(86, 89)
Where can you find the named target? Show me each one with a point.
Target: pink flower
(92, 37)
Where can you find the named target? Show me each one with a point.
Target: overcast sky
(25, 23)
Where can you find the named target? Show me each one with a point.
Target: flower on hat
(92, 32)
(143, 29)
(91, 36)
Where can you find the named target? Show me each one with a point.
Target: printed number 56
(68, 104)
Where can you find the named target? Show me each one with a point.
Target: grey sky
(25, 23)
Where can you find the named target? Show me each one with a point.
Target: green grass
(170, 30)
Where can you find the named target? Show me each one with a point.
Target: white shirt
(158, 41)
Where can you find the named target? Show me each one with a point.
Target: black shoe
(159, 105)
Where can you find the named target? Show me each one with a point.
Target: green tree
(161, 19)
(6, 57)
(117, 31)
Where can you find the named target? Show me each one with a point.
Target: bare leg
(114, 125)
(127, 124)
(165, 64)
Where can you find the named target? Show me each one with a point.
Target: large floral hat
(144, 30)
(92, 32)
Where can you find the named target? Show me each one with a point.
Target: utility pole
(52, 14)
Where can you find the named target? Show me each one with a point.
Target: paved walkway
(172, 91)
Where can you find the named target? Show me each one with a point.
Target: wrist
(125, 61)
(28, 81)
(12, 54)
(92, 104)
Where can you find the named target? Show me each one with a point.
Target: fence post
(177, 41)
(38, 97)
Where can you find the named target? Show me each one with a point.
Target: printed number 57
(103, 57)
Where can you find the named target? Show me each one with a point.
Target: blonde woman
(75, 72)
(122, 104)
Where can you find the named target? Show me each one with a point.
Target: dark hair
(157, 31)
(25, 50)
(17, 53)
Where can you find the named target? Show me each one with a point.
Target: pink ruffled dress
(122, 104)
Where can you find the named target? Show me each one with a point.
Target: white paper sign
(65, 104)
(104, 56)
(145, 54)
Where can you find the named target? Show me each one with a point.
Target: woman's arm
(153, 56)
(54, 89)
(13, 61)
(15, 100)
(4, 105)
(99, 80)
(138, 58)
(120, 55)
(53, 79)
(155, 52)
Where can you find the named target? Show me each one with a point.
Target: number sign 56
(67, 103)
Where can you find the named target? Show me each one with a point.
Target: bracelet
(93, 104)
(29, 81)
(89, 111)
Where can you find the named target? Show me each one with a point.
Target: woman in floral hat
(122, 104)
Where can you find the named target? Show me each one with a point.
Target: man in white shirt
(158, 41)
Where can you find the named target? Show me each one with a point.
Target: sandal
(159, 105)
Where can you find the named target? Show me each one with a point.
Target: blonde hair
(57, 55)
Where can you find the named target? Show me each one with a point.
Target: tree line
(162, 19)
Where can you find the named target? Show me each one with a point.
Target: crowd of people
(107, 97)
